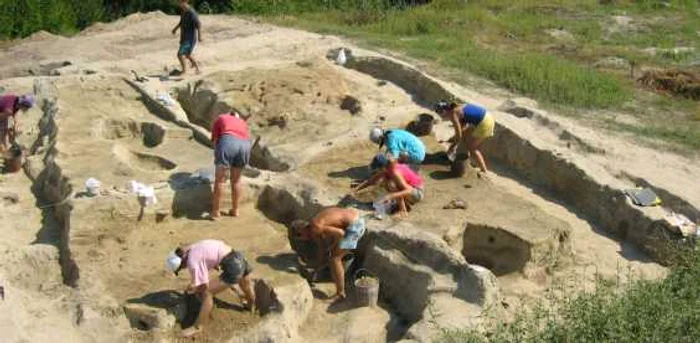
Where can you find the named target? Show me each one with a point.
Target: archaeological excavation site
(86, 264)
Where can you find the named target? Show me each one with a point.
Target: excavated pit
(301, 103)
(499, 250)
(312, 118)
(142, 161)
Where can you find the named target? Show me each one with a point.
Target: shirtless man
(343, 227)
(201, 257)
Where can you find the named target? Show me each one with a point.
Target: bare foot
(191, 331)
(212, 217)
(233, 213)
(338, 297)
(400, 216)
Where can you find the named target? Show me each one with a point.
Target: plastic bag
(383, 208)
(146, 194)
(342, 59)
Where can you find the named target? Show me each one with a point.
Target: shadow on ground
(286, 262)
(354, 173)
(192, 196)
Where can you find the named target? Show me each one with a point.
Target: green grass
(665, 310)
(505, 42)
(446, 35)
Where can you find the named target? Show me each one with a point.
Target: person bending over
(343, 228)
(401, 145)
(10, 106)
(473, 125)
(201, 257)
(231, 139)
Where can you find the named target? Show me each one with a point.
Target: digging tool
(138, 78)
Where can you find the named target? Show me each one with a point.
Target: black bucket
(13, 161)
(422, 125)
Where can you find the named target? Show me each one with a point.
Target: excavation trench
(418, 269)
(544, 168)
(415, 269)
(52, 189)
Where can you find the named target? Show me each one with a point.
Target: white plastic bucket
(93, 186)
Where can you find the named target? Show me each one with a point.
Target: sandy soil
(272, 72)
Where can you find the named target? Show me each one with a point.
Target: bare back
(338, 218)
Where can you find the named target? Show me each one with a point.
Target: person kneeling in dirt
(403, 184)
(201, 257)
(231, 138)
(343, 227)
(401, 145)
(10, 105)
(472, 124)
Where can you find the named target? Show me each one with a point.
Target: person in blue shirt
(473, 125)
(400, 145)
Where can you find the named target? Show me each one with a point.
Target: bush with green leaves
(665, 310)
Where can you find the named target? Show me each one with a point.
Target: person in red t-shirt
(231, 139)
(9, 106)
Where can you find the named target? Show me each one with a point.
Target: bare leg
(236, 190)
(218, 185)
(3, 135)
(215, 286)
(194, 63)
(246, 285)
(403, 211)
(183, 67)
(391, 186)
(473, 146)
(338, 272)
(3, 139)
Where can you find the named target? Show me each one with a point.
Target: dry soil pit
(122, 259)
(298, 105)
(496, 249)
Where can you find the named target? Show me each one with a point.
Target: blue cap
(379, 161)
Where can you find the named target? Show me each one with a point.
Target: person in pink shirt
(10, 105)
(231, 139)
(403, 183)
(201, 257)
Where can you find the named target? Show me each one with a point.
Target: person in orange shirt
(231, 139)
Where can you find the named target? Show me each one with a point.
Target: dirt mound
(677, 82)
(126, 22)
(42, 36)
(288, 93)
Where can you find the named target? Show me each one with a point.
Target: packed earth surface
(551, 217)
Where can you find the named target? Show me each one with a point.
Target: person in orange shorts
(473, 125)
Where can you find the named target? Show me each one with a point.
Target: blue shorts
(186, 48)
(232, 152)
(353, 233)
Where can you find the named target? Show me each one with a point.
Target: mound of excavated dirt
(280, 102)
(678, 82)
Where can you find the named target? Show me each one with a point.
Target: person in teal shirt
(400, 144)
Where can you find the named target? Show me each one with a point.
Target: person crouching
(201, 257)
(403, 184)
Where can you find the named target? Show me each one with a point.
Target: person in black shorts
(201, 257)
(190, 34)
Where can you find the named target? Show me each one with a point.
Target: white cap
(172, 263)
(376, 134)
